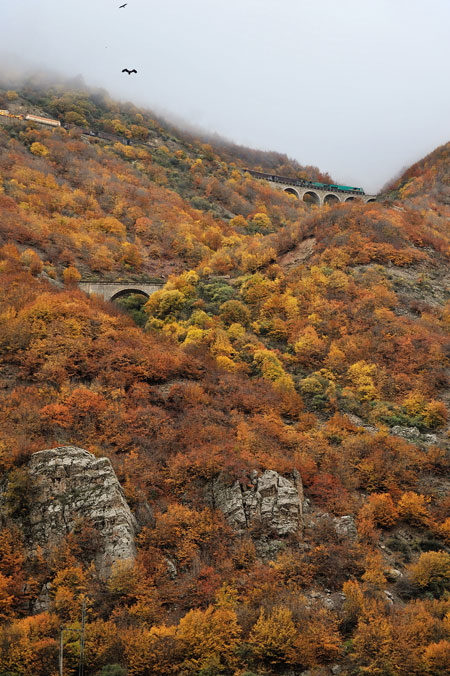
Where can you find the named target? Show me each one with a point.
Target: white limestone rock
(414, 435)
(345, 527)
(71, 486)
(271, 501)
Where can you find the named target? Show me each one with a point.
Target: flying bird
(122, 6)
(133, 70)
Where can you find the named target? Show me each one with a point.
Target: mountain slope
(291, 346)
(429, 177)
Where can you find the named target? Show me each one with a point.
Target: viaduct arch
(110, 291)
(310, 196)
(321, 197)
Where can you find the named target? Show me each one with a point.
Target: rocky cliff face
(71, 486)
(271, 502)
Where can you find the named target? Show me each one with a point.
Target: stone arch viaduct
(113, 290)
(308, 192)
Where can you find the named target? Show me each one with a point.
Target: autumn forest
(311, 343)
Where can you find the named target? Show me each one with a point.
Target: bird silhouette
(122, 6)
(133, 70)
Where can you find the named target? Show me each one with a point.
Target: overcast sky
(359, 88)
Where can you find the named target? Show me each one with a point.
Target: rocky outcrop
(345, 527)
(72, 486)
(414, 435)
(270, 501)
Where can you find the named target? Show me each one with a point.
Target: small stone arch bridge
(306, 191)
(111, 291)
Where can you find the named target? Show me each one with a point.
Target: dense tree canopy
(286, 337)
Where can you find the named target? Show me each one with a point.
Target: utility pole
(61, 648)
(83, 627)
(81, 632)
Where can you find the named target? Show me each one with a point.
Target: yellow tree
(373, 577)
(273, 636)
(437, 658)
(354, 602)
(318, 640)
(29, 646)
(413, 508)
(431, 572)
(31, 260)
(6, 597)
(154, 651)
(208, 638)
(71, 276)
(373, 645)
(382, 509)
(39, 149)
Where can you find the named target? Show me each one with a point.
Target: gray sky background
(360, 88)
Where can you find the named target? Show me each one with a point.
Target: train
(304, 183)
(31, 118)
(333, 186)
(43, 120)
(105, 136)
(50, 122)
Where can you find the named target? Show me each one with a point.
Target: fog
(359, 88)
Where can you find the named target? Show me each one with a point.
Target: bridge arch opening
(123, 293)
(132, 301)
(311, 197)
(371, 200)
(331, 199)
(350, 199)
(291, 191)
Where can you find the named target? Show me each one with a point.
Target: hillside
(428, 178)
(277, 415)
(188, 182)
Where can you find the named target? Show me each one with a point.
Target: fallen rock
(393, 574)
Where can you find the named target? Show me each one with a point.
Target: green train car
(332, 186)
(346, 188)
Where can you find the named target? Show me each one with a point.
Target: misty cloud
(359, 89)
